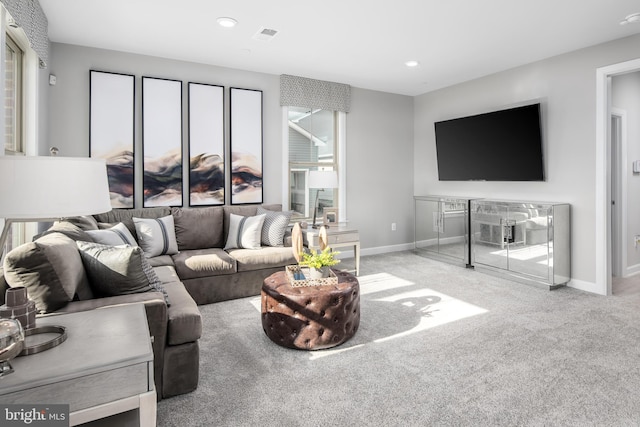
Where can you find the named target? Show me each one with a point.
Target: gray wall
(379, 133)
(566, 86)
(625, 95)
(380, 168)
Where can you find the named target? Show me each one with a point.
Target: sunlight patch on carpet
(435, 309)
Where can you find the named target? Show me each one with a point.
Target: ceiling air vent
(265, 34)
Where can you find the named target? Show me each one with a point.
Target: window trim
(20, 145)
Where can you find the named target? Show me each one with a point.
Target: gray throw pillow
(156, 236)
(119, 234)
(275, 226)
(244, 232)
(118, 270)
(51, 269)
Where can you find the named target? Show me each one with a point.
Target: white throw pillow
(119, 234)
(244, 231)
(157, 236)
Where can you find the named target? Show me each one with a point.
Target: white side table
(337, 236)
(105, 367)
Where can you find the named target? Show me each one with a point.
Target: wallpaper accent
(29, 16)
(303, 92)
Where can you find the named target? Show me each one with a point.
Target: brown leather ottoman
(310, 317)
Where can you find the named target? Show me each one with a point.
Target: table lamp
(321, 180)
(38, 189)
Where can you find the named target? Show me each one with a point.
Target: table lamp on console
(321, 180)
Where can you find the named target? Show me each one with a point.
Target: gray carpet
(437, 345)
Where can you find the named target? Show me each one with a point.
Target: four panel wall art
(112, 137)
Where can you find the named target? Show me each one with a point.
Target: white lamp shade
(52, 187)
(323, 179)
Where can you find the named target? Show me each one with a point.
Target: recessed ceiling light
(412, 63)
(226, 22)
(630, 19)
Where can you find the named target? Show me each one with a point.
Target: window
(13, 138)
(313, 146)
(13, 141)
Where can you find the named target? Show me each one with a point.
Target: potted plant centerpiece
(318, 262)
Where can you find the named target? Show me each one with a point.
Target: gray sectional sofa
(203, 255)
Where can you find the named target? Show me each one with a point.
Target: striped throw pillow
(244, 232)
(119, 234)
(156, 236)
(275, 225)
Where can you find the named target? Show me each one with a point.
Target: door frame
(619, 263)
(603, 172)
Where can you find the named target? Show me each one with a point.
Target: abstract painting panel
(246, 146)
(206, 145)
(162, 141)
(111, 131)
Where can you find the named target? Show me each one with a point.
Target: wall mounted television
(503, 145)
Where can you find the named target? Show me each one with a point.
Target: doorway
(604, 197)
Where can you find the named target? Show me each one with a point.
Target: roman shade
(29, 16)
(303, 92)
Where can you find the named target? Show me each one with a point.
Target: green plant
(317, 259)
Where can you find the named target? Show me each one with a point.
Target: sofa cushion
(245, 232)
(69, 229)
(156, 236)
(85, 222)
(266, 257)
(119, 234)
(199, 228)
(275, 225)
(51, 269)
(118, 270)
(203, 263)
(126, 216)
(161, 260)
(185, 324)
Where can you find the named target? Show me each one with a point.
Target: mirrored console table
(528, 241)
(442, 228)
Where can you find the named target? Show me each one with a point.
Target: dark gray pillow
(199, 228)
(274, 227)
(51, 269)
(118, 270)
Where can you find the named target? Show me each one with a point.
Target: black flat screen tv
(503, 145)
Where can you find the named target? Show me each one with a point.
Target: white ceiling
(363, 43)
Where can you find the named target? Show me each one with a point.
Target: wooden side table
(105, 367)
(338, 237)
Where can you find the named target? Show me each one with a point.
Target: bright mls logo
(34, 415)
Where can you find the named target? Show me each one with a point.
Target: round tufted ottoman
(310, 317)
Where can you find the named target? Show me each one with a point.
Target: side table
(104, 367)
(338, 236)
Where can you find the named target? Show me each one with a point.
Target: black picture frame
(112, 131)
(162, 142)
(246, 135)
(206, 144)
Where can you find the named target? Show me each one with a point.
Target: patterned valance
(29, 16)
(302, 92)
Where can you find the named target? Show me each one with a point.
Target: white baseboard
(376, 251)
(632, 270)
(585, 286)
